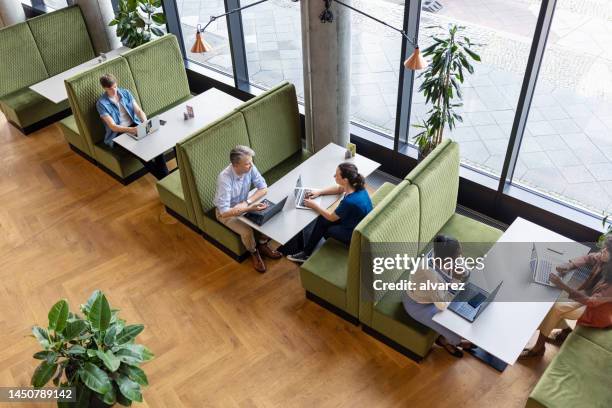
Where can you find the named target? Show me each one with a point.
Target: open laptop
(541, 268)
(300, 193)
(146, 128)
(263, 216)
(472, 301)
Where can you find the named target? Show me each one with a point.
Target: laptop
(472, 301)
(263, 216)
(300, 193)
(146, 128)
(541, 268)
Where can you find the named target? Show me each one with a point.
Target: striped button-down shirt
(233, 189)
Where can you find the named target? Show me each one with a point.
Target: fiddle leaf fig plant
(94, 352)
(451, 60)
(139, 21)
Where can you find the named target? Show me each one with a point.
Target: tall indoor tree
(451, 60)
(139, 21)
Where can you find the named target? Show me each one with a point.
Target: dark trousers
(326, 229)
(157, 167)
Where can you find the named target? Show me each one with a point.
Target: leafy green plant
(451, 57)
(95, 353)
(138, 21)
(607, 231)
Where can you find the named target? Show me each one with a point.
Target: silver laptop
(146, 128)
(542, 267)
(300, 193)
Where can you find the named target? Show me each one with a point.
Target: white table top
(207, 107)
(505, 327)
(53, 88)
(317, 172)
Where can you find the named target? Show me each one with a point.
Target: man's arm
(117, 128)
(139, 112)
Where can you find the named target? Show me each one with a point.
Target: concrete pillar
(11, 12)
(98, 13)
(327, 73)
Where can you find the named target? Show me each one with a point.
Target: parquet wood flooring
(223, 335)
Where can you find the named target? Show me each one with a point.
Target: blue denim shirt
(233, 189)
(107, 107)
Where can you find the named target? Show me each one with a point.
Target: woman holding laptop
(121, 114)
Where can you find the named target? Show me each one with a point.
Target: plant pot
(95, 402)
(423, 153)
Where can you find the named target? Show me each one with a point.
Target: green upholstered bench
(153, 72)
(579, 375)
(269, 124)
(417, 210)
(330, 277)
(39, 48)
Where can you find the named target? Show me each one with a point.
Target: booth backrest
(84, 90)
(159, 89)
(438, 185)
(273, 122)
(22, 64)
(206, 154)
(62, 39)
(391, 227)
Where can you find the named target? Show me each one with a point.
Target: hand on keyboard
(564, 269)
(258, 207)
(312, 195)
(555, 279)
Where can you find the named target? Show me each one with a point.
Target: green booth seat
(202, 156)
(331, 275)
(34, 51)
(154, 73)
(418, 209)
(579, 375)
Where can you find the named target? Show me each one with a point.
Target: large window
(194, 12)
(490, 95)
(567, 147)
(375, 64)
(273, 43)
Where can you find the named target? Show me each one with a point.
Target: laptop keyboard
(302, 196)
(543, 273)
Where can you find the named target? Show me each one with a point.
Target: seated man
(232, 200)
(121, 114)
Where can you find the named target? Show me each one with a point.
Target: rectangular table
(317, 172)
(505, 327)
(54, 89)
(207, 106)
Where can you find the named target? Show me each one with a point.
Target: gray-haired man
(232, 200)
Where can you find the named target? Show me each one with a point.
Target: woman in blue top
(121, 114)
(338, 224)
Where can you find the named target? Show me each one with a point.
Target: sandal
(529, 353)
(450, 349)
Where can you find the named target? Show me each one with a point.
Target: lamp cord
(213, 18)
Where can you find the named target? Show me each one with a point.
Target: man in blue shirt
(338, 224)
(121, 114)
(232, 200)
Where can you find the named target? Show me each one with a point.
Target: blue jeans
(327, 229)
(424, 313)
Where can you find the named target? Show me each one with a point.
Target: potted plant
(451, 57)
(95, 353)
(138, 21)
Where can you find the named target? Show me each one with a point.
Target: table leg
(488, 358)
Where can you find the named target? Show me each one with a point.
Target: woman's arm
(328, 215)
(326, 191)
(577, 295)
(117, 128)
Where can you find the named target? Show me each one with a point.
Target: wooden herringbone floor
(223, 335)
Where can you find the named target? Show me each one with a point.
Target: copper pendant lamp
(200, 46)
(416, 61)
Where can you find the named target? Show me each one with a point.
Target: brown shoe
(268, 252)
(258, 263)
